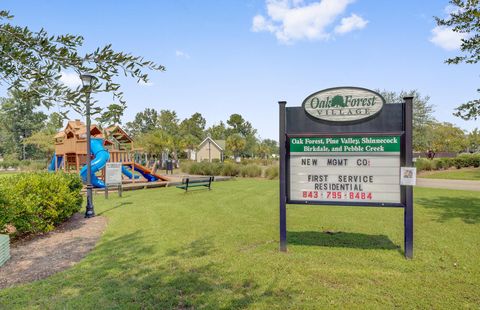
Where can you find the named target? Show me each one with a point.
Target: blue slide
(51, 166)
(101, 158)
(128, 173)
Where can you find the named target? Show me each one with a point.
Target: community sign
(346, 146)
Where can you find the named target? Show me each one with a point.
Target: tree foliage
(465, 18)
(144, 122)
(19, 119)
(447, 137)
(112, 115)
(218, 132)
(32, 62)
(235, 144)
(422, 115)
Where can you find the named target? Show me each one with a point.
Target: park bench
(196, 182)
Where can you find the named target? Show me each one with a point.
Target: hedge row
(24, 165)
(229, 169)
(461, 161)
(37, 202)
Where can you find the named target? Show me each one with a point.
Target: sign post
(282, 176)
(346, 146)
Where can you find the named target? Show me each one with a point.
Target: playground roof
(78, 128)
(119, 134)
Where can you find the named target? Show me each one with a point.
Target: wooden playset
(71, 151)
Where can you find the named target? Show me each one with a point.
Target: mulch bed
(38, 257)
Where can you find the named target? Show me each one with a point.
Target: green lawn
(165, 249)
(454, 174)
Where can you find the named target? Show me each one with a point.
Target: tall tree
(218, 132)
(465, 19)
(235, 144)
(43, 140)
(169, 123)
(194, 125)
(144, 122)
(447, 138)
(422, 115)
(239, 125)
(474, 140)
(112, 115)
(19, 119)
(32, 62)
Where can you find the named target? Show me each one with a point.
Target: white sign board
(113, 174)
(345, 169)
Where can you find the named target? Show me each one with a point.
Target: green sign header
(345, 144)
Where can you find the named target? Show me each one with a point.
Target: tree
(474, 140)
(169, 123)
(218, 132)
(195, 126)
(154, 142)
(112, 115)
(447, 138)
(235, 144)
(422, 115)
(272, 146)
(144, 122)
(32, 62)
(465, 19)
(19, 120)
(239, 125)
(43, 140)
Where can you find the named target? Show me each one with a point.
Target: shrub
(444, 163)
(37, 202)
(185, 166)
(272, 172)
(251, 171)
(11, 163)
(424, 164)
(230, 169)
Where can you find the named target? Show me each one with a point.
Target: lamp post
(87, 81)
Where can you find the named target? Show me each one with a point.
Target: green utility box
(4, 249)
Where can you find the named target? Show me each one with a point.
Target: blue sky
(225, 57)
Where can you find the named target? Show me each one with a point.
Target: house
(211, 150)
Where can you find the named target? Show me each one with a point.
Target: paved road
(449, 184)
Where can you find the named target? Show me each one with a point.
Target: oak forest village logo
(343, 104)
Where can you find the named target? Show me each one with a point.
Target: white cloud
(292, 20)
(446, 38)
(71, 79)
(350, 23)
(182, 54)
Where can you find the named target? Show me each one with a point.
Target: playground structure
(109, 145)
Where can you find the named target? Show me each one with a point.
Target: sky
(225, 57)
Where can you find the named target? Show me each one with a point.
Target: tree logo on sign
(338, 101)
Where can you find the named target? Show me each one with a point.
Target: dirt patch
(39, 257)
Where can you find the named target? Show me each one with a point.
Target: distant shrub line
(24, 165)
(461, 161)
(248, 170)
(37, 202)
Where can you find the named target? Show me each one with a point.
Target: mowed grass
(218, 249)
(454, 174)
